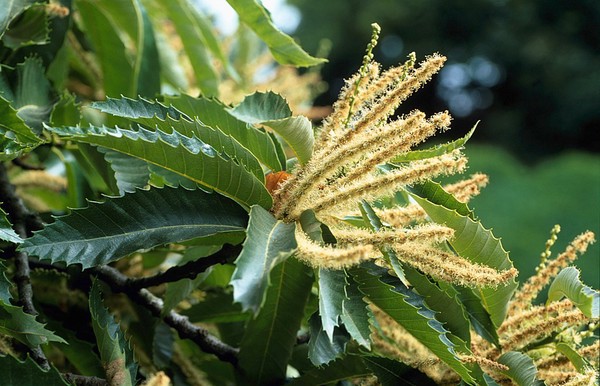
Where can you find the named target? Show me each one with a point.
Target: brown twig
(82, 380)
(207, 342)
(20, 217)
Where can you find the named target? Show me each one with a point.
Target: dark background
(528, 70)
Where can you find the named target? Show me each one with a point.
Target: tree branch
(207, 342)
(187, 271)
(20, 217)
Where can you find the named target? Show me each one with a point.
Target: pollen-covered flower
(360, 136)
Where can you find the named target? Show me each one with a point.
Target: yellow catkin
(158, 379)
(484, 362)
(430, 233)
(451, 268)
(40, 178)
(400, 217)
(589, 378)
(515, 320)
(542, 328)
(324, 256)
(465, 190)
(370, 187)
(536, 283)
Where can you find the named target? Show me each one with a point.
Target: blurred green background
(529, 70)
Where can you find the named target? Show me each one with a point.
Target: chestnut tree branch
(20, 217)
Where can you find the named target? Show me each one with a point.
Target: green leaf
(434, 151)
(105, 232)
(115, 353)
(5, 285)
(477, 244)
(373, 221)
(437, 195)
(218, 308)
(351, 366)
(580, 363)
(23, 327)
(10, 10)
(14, 128)
(27, 373)
(267, 345)
(80, 354)
(410, 311)
(147, 66)
(356, 314)
(567, 283)
(7, 233)
(389, 372)
(272, 110)
(321, 348)
(30, 28)
(130, 173)
(214, 114)
(194, 44)
(283, 47)
(163, 343)
(268, 242)
(478, 315)
(331, 297)
(136, 108)
(179, 290)
(449, 310)
(188, 157)
(521, 370)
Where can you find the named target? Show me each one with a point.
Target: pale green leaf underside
(188, 157)
(268, 242)
(105, 232)
(477, 244)
(567, 283)
(283, 47)
(331, 298)
(272, 110)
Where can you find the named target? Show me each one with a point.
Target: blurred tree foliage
(530, 70)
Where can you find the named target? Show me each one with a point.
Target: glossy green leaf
(478, 315)
(107, 231)
(283, 47)
(567, 283)
(147, 66)
(434, 151)
(521, 370)
(411, 312)
(116, 356)
(269, 241)
(437, 195)
(477, 244)
(27, 373)
(351, 366)
(136, 108)
(24, 327)
(214, 114)
(188, 157)
(321, 348)
(449, 310)
(7, 233)
(272, 110)
(267, 344)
